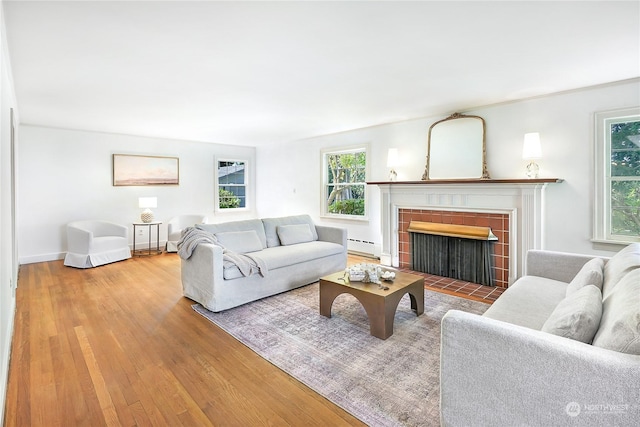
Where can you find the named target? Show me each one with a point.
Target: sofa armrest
(332, 234)
(560, 266)
(78, 239)
(497, 374)
(201, 272)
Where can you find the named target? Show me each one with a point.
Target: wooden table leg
(416, 293)
(328, 293)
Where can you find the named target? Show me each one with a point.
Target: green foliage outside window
(346, 180)
(228, 200)
(625, 179)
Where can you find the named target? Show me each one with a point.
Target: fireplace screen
(469, 259)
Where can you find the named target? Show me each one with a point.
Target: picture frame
(140, 170)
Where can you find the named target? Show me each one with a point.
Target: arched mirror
(456, 149)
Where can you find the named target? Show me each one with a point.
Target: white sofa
(561, 346)
(92, 243)
(291, 250)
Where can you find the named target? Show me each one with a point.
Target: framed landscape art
(130, 169)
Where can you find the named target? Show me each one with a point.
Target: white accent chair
(92, 243)
(179, 223)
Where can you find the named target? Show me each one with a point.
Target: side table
(149, 250)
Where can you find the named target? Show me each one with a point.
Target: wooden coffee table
(379, 304)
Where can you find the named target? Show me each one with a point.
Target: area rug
(394, 382)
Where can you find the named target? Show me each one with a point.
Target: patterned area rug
(394, 382)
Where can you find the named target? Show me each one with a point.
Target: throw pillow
(620, 326)
(619, 265)
(577, 316)
(293, 234)
(240, 241)
(590, 274)
(271, 227)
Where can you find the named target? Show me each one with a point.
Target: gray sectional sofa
(560, 347)
(237, 262)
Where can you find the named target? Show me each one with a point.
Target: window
(617, 211)
(344, 181)
(232, 184)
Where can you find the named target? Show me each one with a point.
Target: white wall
(565, 123)
(66, 175)
(8, 258)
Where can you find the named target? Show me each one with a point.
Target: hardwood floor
(120, 345)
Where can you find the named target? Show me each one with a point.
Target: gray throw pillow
(241, 242)
(590, 274)
(620, 326)
(293, 234)
(577, 316)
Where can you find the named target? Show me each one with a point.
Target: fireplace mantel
(470, 181)
(521, 199)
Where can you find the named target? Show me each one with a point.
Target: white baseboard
(41, 258)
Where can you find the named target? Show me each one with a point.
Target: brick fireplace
(513, 208)
(499, 224)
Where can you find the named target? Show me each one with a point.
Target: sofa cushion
(244, 225)
(577, 316)
(620, 326)
(528, 302)
(271, 227)
(285, 256)
(241, 242)
(293, 234)
(619, 265)
(590, 274)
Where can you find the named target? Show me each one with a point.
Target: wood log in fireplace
(456, 251)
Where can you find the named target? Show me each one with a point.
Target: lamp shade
(392, 158)
(148, 202)
(531, 147)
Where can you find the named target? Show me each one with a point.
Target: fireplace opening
(457, 251)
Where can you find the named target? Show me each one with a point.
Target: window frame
(602, 206)
(247, 201)
(324, 208)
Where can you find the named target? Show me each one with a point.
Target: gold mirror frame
(453, 136)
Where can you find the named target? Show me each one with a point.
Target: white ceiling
(255, 73)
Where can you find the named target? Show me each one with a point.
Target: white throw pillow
(241, 242)
(590, 274)
(620, 326)
(577, 316)
(628, 259)
(293, 234)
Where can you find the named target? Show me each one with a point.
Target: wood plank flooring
(119, 345)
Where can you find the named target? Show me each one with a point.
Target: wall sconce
(530, 151)
(392, 162)
(145, 203)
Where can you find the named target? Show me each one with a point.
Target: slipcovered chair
(179, 223)
(92, 243)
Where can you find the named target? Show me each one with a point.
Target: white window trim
(602, 198)
(247, 200)
(323, 184)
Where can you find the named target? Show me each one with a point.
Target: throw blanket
(191, 237)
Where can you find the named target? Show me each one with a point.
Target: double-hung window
(344, 182)
(231, 184)
(617, 210)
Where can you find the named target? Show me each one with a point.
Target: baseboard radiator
(361, 247)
